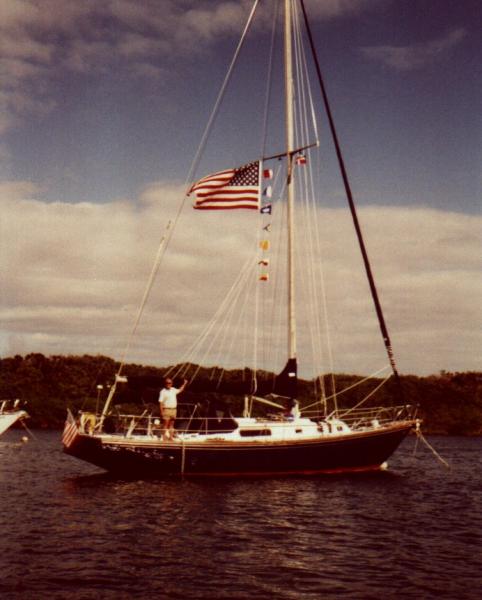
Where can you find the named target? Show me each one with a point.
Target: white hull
(8, 419)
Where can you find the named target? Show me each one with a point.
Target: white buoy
(384, 466)
(24, 439)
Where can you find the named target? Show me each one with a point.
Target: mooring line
(420, 436)
(28, 430)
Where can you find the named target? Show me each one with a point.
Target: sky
(103, 105)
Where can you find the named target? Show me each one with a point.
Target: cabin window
(254, 432)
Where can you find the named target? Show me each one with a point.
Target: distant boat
(10, 413)
(295, 438)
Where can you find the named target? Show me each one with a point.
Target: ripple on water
(70, 532)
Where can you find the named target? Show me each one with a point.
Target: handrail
(147, 424)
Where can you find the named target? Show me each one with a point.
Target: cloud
(416, 56)
(73, 276)
(327, 9)
(42, 44)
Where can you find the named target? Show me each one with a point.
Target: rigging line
(309, 199)
(276, 331)
(269, 80)
(234, 317)
(302, 194)
(354, 385)
(304, 70)
(263, 151)
(257, 301)
(306, 102)
(283, 263)
(235, 291)
(229, 323)
(341, 163)
(245, 313)
(27, 429)
(263, 291)
(417, 438)
(152, 276)
(326, 319)
(300, 92)
(315, 329)
(166, 239)
(221, 331)
(374, 391)
(320, 290)
(308, 182)
(269, 291)
(303, 88)
(202, 145)
(307, 274)
(320, 269)
(323, 313)
(276, 176)
(304, 92)
(314, 301)
(196, 345)
(232, 339)
(302, 179)
(220, 97)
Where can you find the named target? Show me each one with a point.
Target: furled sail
(286, 383)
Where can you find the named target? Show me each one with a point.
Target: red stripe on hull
(301, 473)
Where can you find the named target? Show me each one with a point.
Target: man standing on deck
(168, 406)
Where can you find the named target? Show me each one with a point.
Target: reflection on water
(72, 531)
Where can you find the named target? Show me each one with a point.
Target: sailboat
(10, 413)
(268, 426)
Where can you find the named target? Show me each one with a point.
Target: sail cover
(286, 383)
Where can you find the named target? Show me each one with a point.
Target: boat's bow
(8, 418)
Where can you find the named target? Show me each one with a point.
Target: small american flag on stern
(70, 430)
(225, 190)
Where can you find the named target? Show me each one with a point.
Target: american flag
(233, 188)
(70, 430)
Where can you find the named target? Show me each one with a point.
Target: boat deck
(256, 431)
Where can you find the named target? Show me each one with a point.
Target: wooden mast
(289, 185)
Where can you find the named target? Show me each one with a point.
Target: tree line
(448, 403)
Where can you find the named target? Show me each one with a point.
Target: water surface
(70, 531)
